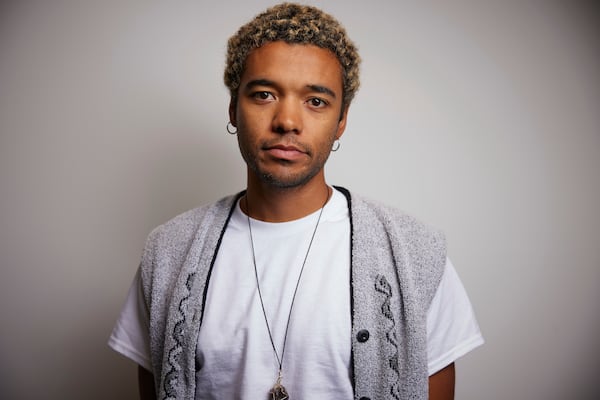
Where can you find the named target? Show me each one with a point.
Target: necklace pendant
(278, 392)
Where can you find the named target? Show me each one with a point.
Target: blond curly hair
(293, 23)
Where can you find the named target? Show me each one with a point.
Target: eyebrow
(260, 82)
(265, 82)
(322, 89)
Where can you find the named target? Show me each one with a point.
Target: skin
(441, 384)
(288, 112)
(146, 384)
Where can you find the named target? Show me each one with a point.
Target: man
(294, 288)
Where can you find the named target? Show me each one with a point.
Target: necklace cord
(262, 304)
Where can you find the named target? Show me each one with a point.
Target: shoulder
(417, 249)
(378, 218)
(168, 245)
(181, 229)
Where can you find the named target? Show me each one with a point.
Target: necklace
(278, 391)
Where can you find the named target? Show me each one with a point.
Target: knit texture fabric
(396, 266)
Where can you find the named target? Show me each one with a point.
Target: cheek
(333, 132)
(243, 139)
(323, 146)
(249, 125)
(244, 147)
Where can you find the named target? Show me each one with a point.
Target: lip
(284, 152)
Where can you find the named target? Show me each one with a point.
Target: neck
(271, 204)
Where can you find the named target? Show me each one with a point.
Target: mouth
(285, 152)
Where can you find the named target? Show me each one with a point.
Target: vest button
(362, 335)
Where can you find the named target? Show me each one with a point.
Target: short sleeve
(130, 335)
(452, 329)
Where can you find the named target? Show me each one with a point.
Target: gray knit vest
(396, 266)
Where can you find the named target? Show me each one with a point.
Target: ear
(342, 123)
(232, 111)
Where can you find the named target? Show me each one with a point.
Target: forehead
(293, 64)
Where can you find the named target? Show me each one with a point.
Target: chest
(234, 339)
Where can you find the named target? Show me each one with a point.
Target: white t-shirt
(234, 354)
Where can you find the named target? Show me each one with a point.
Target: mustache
(287, 142)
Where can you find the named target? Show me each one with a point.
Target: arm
(146, 384)
(441, 384)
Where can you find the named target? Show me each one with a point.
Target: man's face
(288, 112)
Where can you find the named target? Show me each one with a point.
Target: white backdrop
(479, 117)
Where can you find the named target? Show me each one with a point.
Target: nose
(288, 116)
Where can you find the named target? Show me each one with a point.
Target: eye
(263, 95)
(317, 102)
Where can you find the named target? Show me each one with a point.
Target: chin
(287, 181)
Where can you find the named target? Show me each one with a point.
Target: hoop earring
(231, 128)
(336, 145)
